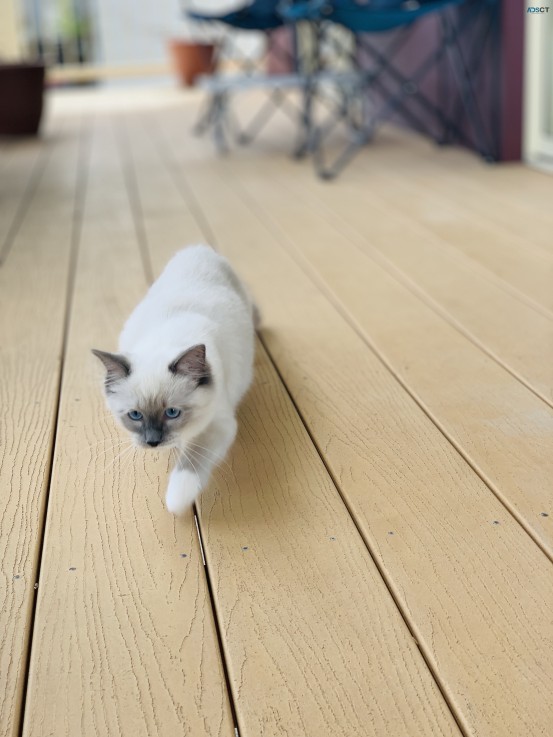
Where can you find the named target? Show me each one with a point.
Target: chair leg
(307, 128)
(219, 122)
(360, 133)
(410, 89)
(205, 118)
(328, 171)
(309, 68)
(260, 118)
(368, 79)
(407, 113)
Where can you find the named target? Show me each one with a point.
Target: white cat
(185, 361)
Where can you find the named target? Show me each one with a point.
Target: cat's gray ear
(117, 366)
(192, 363)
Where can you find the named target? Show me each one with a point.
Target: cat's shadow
(263, 478)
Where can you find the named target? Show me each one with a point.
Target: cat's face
(160, 409)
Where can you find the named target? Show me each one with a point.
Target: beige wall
(10, 31)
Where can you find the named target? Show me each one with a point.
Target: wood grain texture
(22, 169)
(466, 585)
(313, 640)
(512, 332)
(504, 429)
(124, 642)
(511, 196)
(22, 163)
(33, 286)
(166, 220)
(124, 639)
(447, 211)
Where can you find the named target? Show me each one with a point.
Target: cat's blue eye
(135, 415)
(172, 412)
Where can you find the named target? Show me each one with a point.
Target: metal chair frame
(348, 104)
(406, 88)
(217, 114)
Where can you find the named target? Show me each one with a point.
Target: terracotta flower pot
(21, 98)
(191, 59)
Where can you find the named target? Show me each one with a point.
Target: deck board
(165, 218)
(522, 268)
(508, 207)
(276, 533)
(509, 196)
(314, 642)
(501, 427)
(33, 293)
(375, 542)
(124, 638)
(22, 169)
(497, 321)
(386, 455)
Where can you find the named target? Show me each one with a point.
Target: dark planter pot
(21, 98)
(190, 60)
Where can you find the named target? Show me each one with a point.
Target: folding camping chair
(362, 17)
(258, 15)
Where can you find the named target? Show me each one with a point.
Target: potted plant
(192, 49)
(21, 97)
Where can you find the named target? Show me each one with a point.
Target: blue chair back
(258, 15)
(363, 16)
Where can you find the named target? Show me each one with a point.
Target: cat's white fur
(197, 300)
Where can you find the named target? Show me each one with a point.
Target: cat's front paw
(183, 488)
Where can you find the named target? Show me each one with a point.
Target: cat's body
(187, 348)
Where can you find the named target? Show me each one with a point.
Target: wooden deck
(378, 545)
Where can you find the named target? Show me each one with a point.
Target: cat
(184, 362)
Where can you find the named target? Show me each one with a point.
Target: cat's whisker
(93, 446)
(120, 456)
(217, 457)
(193, 466)
(202, 467)
(198, 457)
(123, 446)
(129, 461)
(210, 463)
(215, 462)
(103, 440)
